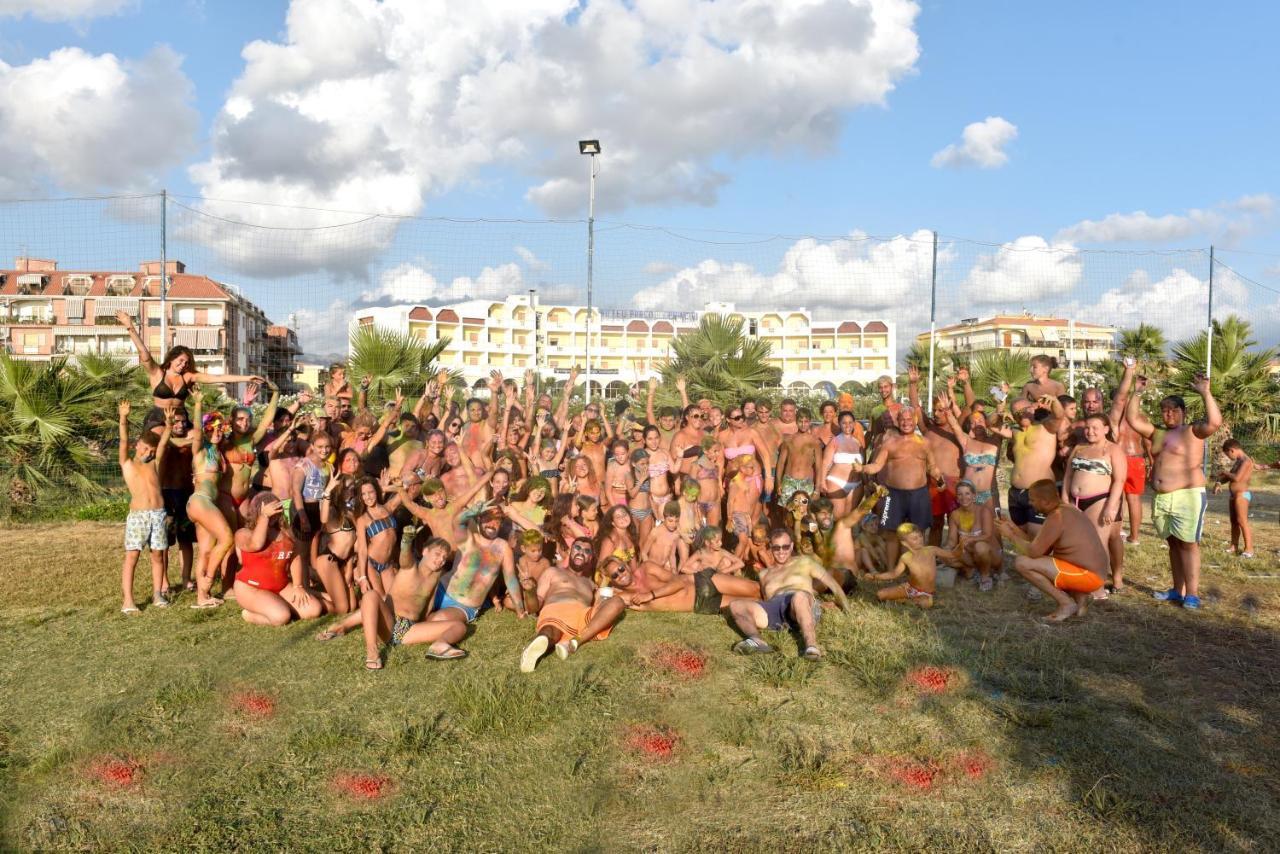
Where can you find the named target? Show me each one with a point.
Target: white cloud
(413, 283)
(856, 276)
(659, 268)
(323, 331)
(1178, 303)
(981, 145)
(1225, 222)
(64, 10)
(381, 106)
(532, 262)
(1027, 270)
(106, 123)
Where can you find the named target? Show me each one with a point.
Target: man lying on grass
(646, 586)
(1067, 559)
(790, 600)
(571, 611)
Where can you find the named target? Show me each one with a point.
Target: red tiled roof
(419, 313)
(875, 326)
(849, 326)
(637, 326)
(662, 326)
(447, 315)
(181, 286)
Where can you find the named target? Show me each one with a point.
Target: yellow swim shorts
(1180, 514)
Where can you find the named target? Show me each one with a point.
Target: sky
(1061, 151)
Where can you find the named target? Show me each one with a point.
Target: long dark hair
(175, 352)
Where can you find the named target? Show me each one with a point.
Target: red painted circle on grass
(116, 771)
(254, 703)
(659, 742)
(930, 680)
(365, 787)
(917, 775)
(680, 660)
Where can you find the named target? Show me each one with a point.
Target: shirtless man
(767, 429)
(1066, 559)
(789, 599)
(835, 540)
(1178, 511)
(648, 587)
(438, 513)
(948, 452)
(908, 465)
(483, 557)
(787, 421)
(571, 611)
(176, 487)
(1035, 447)
(1137, 450)
(884, 415)
(799, 459)
(838, 478)
(396, 619)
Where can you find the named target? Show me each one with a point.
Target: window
(752, 327)
(187, 316)
(215, 317)
(153, 321)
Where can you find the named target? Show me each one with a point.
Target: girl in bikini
(270, 588)
(981, 449)
(375, 539)
(213, 533)
(618, 481)
(1094, 482)
(708, 470)
(659, 470)
(642, 514)
(581, 478)
(528, 511)
(334, 547)
(615, 534)
(973, 538)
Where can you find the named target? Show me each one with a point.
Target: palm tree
(1147, 344)
(1241, 380)
(719, 362)
(999, 367)
(394, 360)
(47, 429)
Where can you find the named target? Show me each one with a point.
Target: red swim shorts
(1135, 479)
(943, 500)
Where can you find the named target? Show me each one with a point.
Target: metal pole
(591, 251)
(933, 314)
(1071, 357)
(1208, 350)
(537, 366)
(164, 275)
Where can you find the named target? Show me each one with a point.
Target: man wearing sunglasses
(571, 611)
(646, 586)
(790, 600)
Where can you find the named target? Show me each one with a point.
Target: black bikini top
(163, 391)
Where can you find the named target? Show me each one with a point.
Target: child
(744, 501)
(664, 546)
(1238, 477)
(145, 524)
(711, 555)
(759, 557)
(920, 562)
(691, 517)
(529, 568)
(971, 531)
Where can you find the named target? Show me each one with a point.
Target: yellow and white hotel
(629, 345)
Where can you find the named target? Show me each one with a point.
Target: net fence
(278, 291)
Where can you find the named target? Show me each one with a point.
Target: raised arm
(913, 388)
(165, 435)
(1135, 416)
(145, 358)
(561, 416)
(962, 376)
(682, 386)
(648, 401)
(123, 411)
(268, 415)
(197, 421)
(464, 500)
(1212, 415)
(495, 386)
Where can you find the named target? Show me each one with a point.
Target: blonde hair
(906, 529)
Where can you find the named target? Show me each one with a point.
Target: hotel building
(629, 345)
(1066, 340)
(46, 312)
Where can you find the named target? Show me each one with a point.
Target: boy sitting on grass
(145, 524)
(920, 563)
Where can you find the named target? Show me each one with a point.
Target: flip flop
(189, 587)
(130, 610)
(373, 664)
(204, 606)
(328, 635)
(453, 654)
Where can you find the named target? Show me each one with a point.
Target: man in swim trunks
(1066, 559)
(798, 459)
(908, 465)
(1035, 447)
(396, 619)
(1137, 451)
(884, 415)
(571, 611)
(1178, 512)
(946, 449)
(789, 599)
(787, 422)
(483, 556)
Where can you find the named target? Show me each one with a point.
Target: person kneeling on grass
(571, 611)
(269, 587)
(397, 618)
(1066, 559)
(145, 524)
(790, 599)
(920, 562)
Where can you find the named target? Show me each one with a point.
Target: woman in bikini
(213, 532)
(659, 469)
(1094, 482)
(740, 441)
(172, 380)
(973, 538)
(375, 539)
(837, 480)
(981, 449)
(334, 547)
(240, 449)
(642, 513)
(270, 589)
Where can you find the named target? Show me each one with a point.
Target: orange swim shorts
(570, 618)
(1075, 579)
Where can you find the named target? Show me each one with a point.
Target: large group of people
(405, 523)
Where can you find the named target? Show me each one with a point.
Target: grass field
(970, 727)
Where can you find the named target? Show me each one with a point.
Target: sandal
(212, 603)
(328, 635)
(189, 587)
(452, 654)
(373, 664)
(130, 610)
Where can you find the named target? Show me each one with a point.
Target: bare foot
(1082, 604)
(1064, 612)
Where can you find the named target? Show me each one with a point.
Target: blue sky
(1164, 108)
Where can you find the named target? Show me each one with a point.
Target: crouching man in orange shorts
(571, 611)
(1067, 559)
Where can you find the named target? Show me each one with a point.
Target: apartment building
(47, 312)
(629, 345)
(1071, 341)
